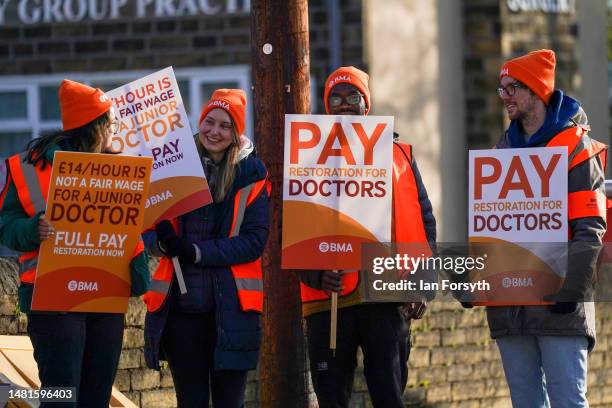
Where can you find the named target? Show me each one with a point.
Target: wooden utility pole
(281, 84)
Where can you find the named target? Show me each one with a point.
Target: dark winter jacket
(238, 333)
(585, 243)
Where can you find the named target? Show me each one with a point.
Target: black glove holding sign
(172, 245)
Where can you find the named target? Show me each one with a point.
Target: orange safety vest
(407, 224)
(32, 185)
(587, 203)
(248, 276)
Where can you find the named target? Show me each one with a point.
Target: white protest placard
(518, 215)
(153, 123)
(337, 189)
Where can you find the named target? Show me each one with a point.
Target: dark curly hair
(87, 138)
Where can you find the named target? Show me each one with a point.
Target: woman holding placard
(76, 350)
(212, 333)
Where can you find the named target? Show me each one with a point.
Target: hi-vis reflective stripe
(159, 286)
(249, 284)
(27, 264)
(243, 196)
(25, 176)
(33, 183)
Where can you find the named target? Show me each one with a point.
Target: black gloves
(565, 301)
(563, 307)
(172, 245)
(332, 281)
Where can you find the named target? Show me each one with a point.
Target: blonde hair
(227, 166)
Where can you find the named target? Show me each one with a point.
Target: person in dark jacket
(544, 348)
(211, 334)
(382, 330)
(79, 350)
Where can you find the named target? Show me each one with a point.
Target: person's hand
(165, 231)
(331, 281)
(564, 301)
(45, 229)
(172, 245)
(563, 307)
(414, 310)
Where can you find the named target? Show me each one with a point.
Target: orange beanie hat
(349, 75)
(80, 104)
(536, 70)
(233, 101)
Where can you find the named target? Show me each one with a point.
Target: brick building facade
(453, 363)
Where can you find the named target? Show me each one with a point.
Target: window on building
(29, 105)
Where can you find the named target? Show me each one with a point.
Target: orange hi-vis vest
(248, 276)
(32, 185)
(407, 221)
(580, 148)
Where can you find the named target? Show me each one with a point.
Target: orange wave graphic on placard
(52, 293)
(188, 193)
(310, 233)
(308, 254)
(516, 275)
(110, 304)
(303, 221)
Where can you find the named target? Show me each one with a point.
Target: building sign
(73, 11)
(546, 6)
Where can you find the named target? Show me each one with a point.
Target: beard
(526, 112)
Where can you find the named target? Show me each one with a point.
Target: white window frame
(20, 125)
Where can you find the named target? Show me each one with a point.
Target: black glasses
(509, 90)
(352, 99)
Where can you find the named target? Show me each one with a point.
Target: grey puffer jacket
(585, 242)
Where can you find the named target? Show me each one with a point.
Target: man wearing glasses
(382, 329)
(544, 348)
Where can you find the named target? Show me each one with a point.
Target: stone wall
(453, 362)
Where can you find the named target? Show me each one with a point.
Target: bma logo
(517, 282)
(339, 78)
(503, 72)
(80, 286)
(335, 247)
(221, 104)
